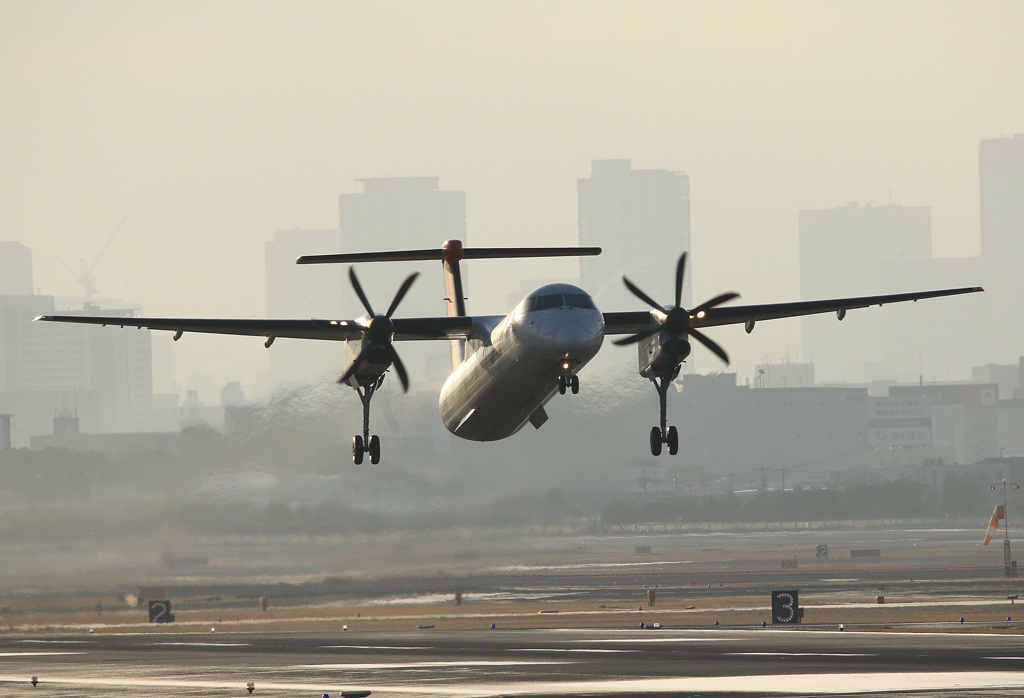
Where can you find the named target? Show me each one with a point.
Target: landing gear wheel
(357, 449)
(574, 384)
(561, 385)
(374, 449)
(673, 441)
(655, 441)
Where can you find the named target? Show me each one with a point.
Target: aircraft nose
(578, 339)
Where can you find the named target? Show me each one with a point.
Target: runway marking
(1006, 658)
(202, 644)
(660, 638)
(37, 654)
(424, 665)
(761, 684)
(590, 565)
(800, 654)
(374, 647)
(562, 649)
(189, 684)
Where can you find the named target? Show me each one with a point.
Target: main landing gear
(662, 435)
(570, 382)
(362, 444)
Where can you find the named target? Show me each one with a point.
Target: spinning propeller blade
(359, 290)
(710, 344)
(380, 331)
(676, 319)
(680, 275)
(401, 293)
(641, 295)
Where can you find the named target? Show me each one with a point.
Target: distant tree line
(72, 522)
(958, 496)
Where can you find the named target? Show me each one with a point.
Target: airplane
(505, 368)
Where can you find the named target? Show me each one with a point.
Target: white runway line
(423, 665)
(202, 644)
(815, 684)
(374, 647)
(564, 649)
(800, 654)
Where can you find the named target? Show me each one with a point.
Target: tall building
(302, 292)
(103, 373)
(935, 340)
(641, 219)
(841, 254)
(394, 213)
(15, 269)
(385, 213)
(1001, 198)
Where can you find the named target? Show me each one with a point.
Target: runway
(460, 663)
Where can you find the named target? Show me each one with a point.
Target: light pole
(1007, 564)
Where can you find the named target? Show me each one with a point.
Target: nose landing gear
(568, 382)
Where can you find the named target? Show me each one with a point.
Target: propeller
(676, 322)
(379, 332)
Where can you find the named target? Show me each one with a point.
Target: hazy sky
(210, 125)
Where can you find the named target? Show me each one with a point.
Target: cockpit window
(559, 300)
(578, 300)
(553, 300)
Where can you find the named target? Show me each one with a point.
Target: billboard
(899, 421)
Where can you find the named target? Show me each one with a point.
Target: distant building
(964, 417)
(302, 292)
(384, 213)
(934, 340)
(104, 372)
(842, 251)
(15, 269)
(395, 213)
(1001, 199)
(641, 220)
(724, 427)
(1009, 377)
(5, 432)
(784, 375)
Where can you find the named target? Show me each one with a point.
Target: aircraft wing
(628, 322)
(335, 330)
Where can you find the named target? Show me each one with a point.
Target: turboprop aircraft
(505, 368)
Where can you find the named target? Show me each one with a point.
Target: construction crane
(85, 271)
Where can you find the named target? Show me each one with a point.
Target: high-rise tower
(841, 254)
(1001, 198)
(641, 219)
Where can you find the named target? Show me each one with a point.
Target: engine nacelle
(654, 355)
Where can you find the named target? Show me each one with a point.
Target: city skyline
(208, 129)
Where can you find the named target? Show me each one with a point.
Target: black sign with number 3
(785, 607)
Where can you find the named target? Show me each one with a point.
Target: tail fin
(450, 254)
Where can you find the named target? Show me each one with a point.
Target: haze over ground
(209, 126)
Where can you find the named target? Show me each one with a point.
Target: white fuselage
(552, 333)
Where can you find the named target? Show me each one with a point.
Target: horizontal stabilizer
(439, 254)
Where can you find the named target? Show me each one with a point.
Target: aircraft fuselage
(552, 333)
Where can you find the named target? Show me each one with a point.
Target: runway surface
(517, 662)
